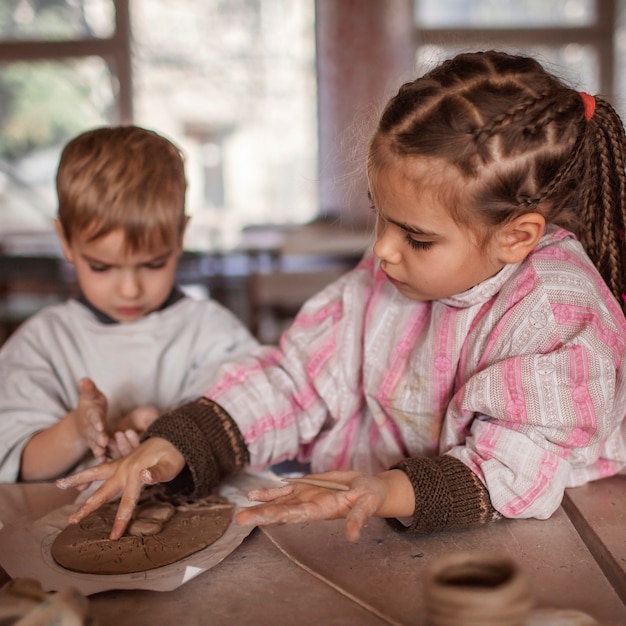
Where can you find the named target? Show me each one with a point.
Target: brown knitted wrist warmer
(447, 495)
(209, 440)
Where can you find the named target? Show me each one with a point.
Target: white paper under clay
(25, 549)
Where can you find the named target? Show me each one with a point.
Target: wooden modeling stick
(317, 482)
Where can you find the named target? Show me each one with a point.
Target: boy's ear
(187, 218)
(67, 250)
(182, 234)
(517, 238)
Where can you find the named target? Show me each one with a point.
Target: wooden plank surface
(598, 511)
(384, 569)
(255, 586)
(309, 574)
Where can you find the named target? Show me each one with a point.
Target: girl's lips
(393, 281)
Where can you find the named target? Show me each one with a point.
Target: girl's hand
(297, 503)
(90, 417)
(154, 461)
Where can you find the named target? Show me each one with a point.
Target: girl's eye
(418, 245)
(99, 268)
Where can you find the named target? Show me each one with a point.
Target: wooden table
(309, 574)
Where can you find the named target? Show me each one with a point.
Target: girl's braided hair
(520, 138)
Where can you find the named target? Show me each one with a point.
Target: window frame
(600, 35)
(114, 50)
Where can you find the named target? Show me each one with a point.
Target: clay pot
(476, 589)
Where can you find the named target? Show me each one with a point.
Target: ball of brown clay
(144, 527)
(476, 589)
(160, 511)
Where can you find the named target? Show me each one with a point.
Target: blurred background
(272, 103)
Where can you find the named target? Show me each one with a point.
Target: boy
(87, 376)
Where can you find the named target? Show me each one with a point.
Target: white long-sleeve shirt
(163, 359)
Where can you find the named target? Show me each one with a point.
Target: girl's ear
(67, 250)
(517, 239)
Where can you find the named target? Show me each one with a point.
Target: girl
(472, 366)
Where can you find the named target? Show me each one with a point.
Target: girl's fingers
(362, 510)
(352, 529)
(129, 500)
(267, 495)
(89, 475)
(125, 510)
(105, 493)
(163, 470)
(265, 514)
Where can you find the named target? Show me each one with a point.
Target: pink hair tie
(590, 104)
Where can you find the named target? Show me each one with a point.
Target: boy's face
(124, 285)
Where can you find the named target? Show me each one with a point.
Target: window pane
(233, 83)
(43, 105)
(576, 64)
(504, 13)
(56, 19)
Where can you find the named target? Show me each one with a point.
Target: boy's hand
(139, 419)
(90, 417)
(154, 461)
(122, 443)
(128, 431)
(297, 503)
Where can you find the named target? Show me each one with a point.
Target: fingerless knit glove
(447, 495)
(209, 440)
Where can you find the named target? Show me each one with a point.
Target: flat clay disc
(162, 533)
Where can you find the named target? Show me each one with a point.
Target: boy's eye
(418, 245)
(157, 265)
(99, 268)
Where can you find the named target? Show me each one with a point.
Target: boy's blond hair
(122, 177)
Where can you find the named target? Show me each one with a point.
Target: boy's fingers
(88, 388)
(96, 418)
(127, 441)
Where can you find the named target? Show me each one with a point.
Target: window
(574, 38)
(232, 82)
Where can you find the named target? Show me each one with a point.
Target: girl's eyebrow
(414, 230)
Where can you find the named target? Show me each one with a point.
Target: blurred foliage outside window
(232, 82)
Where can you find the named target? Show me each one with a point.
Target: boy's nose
(129, 285)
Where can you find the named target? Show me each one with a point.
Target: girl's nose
(387, 244)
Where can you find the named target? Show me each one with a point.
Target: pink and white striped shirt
(522, 378)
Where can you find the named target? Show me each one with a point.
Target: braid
(603, 214)
(510, 117)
